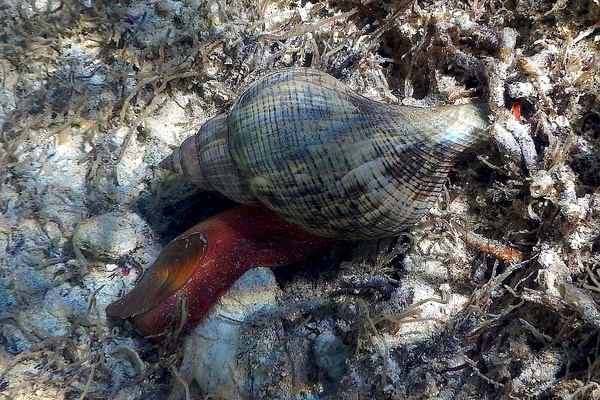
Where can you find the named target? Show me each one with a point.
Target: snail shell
(327, 159)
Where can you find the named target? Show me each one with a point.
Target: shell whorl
(327, 159)
(205, 160)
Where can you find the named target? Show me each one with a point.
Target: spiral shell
(327, 159)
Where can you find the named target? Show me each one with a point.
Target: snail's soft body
(327, 159)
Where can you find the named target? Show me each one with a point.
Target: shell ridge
(332, 161)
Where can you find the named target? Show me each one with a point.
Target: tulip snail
(322, 161)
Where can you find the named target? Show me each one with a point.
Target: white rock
(110, 236)
(222, 364)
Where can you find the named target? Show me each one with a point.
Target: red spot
(515, 108)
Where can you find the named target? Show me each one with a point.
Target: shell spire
(205, 160)
(327, 159)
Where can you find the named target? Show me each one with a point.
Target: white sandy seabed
(93, 96)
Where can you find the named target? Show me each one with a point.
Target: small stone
(216, 351)
(110, 236)
(331, 354)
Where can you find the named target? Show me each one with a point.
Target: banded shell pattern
(327, 159)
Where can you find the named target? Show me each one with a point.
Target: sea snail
(326, 163)
(333, 162)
